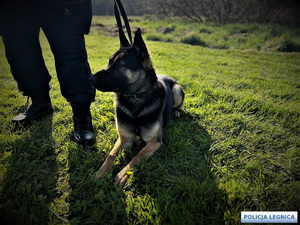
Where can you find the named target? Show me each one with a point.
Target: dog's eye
(119, 64)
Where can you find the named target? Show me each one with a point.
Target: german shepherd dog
(143, 102)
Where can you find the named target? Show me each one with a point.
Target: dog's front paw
(176, 113)
(105, 169)
(99, 174)
(123, 176)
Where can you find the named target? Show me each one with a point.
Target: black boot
(41, 106)
(83, 128)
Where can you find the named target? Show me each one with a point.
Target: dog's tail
(178, 98)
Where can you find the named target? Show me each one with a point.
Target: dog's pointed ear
(123, 40)
(141, 49)
(140, 45)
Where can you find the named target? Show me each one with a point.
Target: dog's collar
(141, 95)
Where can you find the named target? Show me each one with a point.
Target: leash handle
(118, 6)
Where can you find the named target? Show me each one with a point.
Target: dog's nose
(93, 79)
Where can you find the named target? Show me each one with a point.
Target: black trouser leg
(65, 33)
(20, 33)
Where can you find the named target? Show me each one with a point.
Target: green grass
(229, 36)
(235, 148)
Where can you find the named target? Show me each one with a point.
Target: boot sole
(28, 122)
(83, 142)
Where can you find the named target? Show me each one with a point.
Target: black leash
(119, 7)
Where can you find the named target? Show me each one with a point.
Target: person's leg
(65, 29)
(20, 34)
(65, 33)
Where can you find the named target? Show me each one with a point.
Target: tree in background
(102, 7)
(223, 11)
(133, 7)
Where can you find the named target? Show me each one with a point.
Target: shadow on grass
(174, 186)
(92, 202)
(177, 181)
(28, 185)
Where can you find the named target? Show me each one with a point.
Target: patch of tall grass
(228, 36)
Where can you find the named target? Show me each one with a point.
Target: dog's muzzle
(93, 79)
(101, 81)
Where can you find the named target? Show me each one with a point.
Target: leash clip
(136, 98)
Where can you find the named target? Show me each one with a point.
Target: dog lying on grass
(144, 101)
